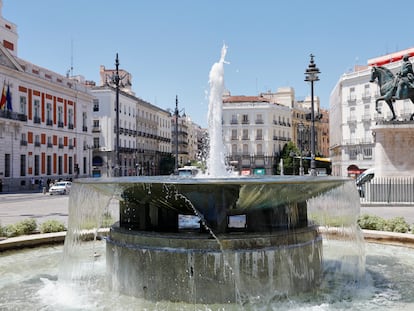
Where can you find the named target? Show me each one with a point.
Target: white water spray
(216, 166)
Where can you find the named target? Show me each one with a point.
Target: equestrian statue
(392, 88)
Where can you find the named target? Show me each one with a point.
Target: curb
(374, 236)
(35, 240)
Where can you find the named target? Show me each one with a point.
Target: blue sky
(169, 46)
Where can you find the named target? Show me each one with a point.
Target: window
(36, 111)
(259, 135)
(353, 154)
(233, 134)
(367, 153)
(7, 165)
(84, 165)
(234, 149)
(245, 119)
(37, 141)
(96, 142)
(49, 165)
(245, 149)
(70, 165)
(49, 114)
(36, 165)
(96, 104)
(49, 142)
(60, 116)
(233, 119)
(60, 165)
(245, 134)
(22, 165)
(70, 118)
(23, 106)
(259, 149)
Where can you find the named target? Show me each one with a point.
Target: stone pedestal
(394, 149)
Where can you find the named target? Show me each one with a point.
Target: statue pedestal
(394, 149)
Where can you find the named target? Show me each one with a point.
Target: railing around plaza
(388, 190)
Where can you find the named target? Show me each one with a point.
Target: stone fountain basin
(267, 203)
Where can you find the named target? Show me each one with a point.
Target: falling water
(216, 166)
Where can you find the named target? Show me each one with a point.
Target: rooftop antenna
(69, 73)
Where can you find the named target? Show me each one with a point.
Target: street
(19, 206)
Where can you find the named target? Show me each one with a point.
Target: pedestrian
(32, 182)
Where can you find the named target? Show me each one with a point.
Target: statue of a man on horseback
(404, 79)
(392, 87)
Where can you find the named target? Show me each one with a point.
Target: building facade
(44, 124)
(255, 131)
(353, 113)
(144, 130)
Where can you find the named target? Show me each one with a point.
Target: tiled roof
(241, 99)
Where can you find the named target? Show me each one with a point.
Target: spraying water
(216, 166)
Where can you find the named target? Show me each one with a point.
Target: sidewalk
(390, 211)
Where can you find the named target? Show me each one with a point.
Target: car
(61, 187)
(362, 179)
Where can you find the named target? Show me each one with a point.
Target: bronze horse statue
(388, 87)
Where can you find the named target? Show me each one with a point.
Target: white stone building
(44, 124)
(255, 131)
(353, 114)
(144, 130)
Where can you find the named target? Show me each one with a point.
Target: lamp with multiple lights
(311, 75)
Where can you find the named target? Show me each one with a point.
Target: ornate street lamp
(301, 128)
(311, 75)
(115, 79)
(176, 115)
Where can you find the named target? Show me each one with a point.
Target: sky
(169, 46)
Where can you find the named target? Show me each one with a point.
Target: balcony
(49, 122)
(36, 120)
(245, 138)
(366, 97)
(23, 143)
(259, 121)
(60, 146)
(12, 115)
(96, 129)
(366, 118)
(70, 126)
(49, 145)
(351, 99)
(37, 143)
(234, 121)
(60, 124)
(84, 128)
(351, 120)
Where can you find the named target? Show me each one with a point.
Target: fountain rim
(231, 180)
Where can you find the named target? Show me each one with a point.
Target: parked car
(363, 178)
(61, 187)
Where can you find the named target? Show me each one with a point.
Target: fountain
(252, 237)
(210, 243)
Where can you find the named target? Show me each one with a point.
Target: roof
(243, 99)
(390, 58)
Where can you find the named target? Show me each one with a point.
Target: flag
(3, 97)
(8, 99)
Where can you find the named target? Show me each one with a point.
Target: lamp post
(301, 127)
(115, 80)
(176, 115)
(311, 75)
